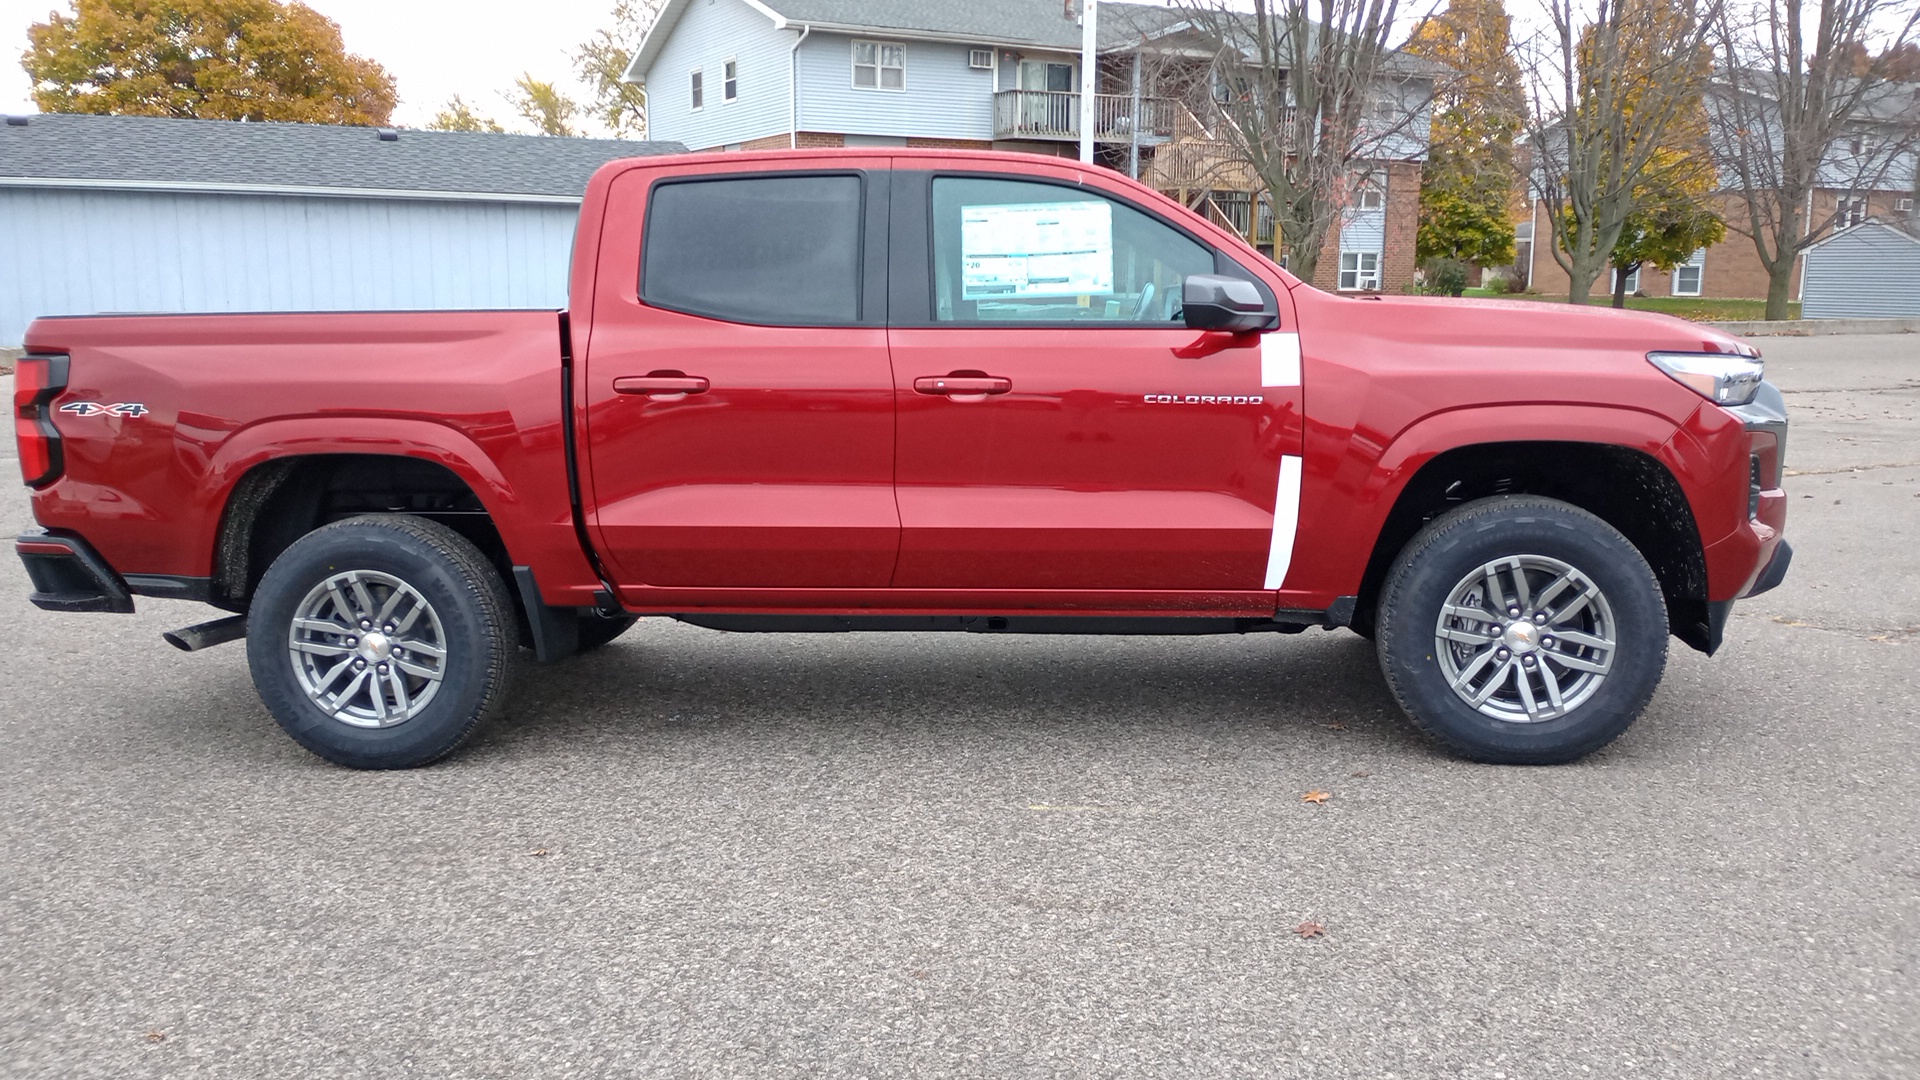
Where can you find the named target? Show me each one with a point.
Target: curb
(1819, 327)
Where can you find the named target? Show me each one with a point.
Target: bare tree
(1303, 91)
(1798, 107)
(1613, 80)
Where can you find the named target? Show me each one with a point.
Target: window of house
(1522, 251)
(1850, 213)
(771, 250)
(1010, 251)
(1359, 270)
(879, 65)
(730, 80)
(1903, 204)
(1686, 276)
(698, 97)
(1633, 280)
(1371, 194)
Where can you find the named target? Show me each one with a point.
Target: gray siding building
(130, 213)
(1870, 271)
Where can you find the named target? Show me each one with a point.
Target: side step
(207, 634)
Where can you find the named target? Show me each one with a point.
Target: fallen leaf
(1310, 930)
(1334, 727)
(156, 1035)
(1361, 773)
(538, 852)
(918, 974)
(1316, 797)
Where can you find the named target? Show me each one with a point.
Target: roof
(1875, 226)
(1041, 24)
(152, 152)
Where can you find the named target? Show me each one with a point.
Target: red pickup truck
(910, 390)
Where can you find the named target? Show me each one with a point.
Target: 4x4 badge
(94, 408)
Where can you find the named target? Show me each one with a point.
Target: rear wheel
(1522, 630)
(380, 642)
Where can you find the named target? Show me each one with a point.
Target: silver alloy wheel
(367, 648)
(1525, 638)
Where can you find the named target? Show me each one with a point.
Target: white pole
(1087, 80)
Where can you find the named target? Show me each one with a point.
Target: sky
(433, 48)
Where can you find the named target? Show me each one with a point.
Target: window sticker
(1036, 249)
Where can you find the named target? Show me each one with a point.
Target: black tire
(1446, 556)
(596, 630)
(467, 613)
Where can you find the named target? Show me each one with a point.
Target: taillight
(37, 380)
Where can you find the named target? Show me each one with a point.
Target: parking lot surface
(705, 855)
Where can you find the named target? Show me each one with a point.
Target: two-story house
(991, 74)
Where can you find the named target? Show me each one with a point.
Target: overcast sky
(433, 48)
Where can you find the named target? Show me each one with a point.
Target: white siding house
(124, 213)
(1870, 271)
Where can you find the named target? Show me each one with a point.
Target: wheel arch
(1626, 486)
(276, 500)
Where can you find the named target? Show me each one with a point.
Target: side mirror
(1213, 302)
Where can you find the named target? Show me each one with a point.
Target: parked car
(901, 390)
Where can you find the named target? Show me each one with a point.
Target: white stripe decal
(1286, 521)
(1280, 366)
(1280, 360)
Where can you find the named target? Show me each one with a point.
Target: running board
(1285, 622)
(207, 634)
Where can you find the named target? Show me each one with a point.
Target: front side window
(1371, 193)
(697, 96)
(1013, 251)
(771, 251)
(730, 80)
(879, 65)
(1359, 270)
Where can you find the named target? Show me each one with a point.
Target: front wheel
(380, 642)
(1522, 630)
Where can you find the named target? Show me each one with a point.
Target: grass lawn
(1697, 309)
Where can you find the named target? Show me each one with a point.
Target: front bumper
(68, 575)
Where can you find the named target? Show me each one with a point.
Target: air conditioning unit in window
(980, 59)
(1903, 204)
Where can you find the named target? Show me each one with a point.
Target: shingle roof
(225, 153)
(1037, 22)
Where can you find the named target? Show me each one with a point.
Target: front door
(739, 398)
(1050, 434)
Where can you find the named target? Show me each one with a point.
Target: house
(1870, 271)
(138, 213)
(1002, 75)
(1860, 179)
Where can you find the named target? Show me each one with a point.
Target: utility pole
(1088, 81)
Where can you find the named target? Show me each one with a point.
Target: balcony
(1055, 115)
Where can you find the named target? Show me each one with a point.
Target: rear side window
(772, 250)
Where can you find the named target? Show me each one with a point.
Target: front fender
(1352, 477)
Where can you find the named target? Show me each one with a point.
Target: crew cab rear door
(739, 411)
(1052, 435)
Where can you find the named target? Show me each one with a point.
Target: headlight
(1721, 378)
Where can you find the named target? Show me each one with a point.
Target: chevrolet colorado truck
(910, 390)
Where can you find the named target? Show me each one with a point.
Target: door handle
(962, 387)
(661, 385)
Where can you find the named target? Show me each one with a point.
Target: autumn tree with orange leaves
(205, 59)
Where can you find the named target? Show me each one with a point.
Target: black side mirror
(1213, 302)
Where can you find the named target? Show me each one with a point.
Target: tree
(1611, 82)
(547, 109)
(1672, 217)
(210, 59)
(1791, 102)
(602, 62)
(1310, 93)
(1467, 191)
(459, 116)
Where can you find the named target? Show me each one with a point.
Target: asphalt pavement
(696, 854)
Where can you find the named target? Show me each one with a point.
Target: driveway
(703, 855)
